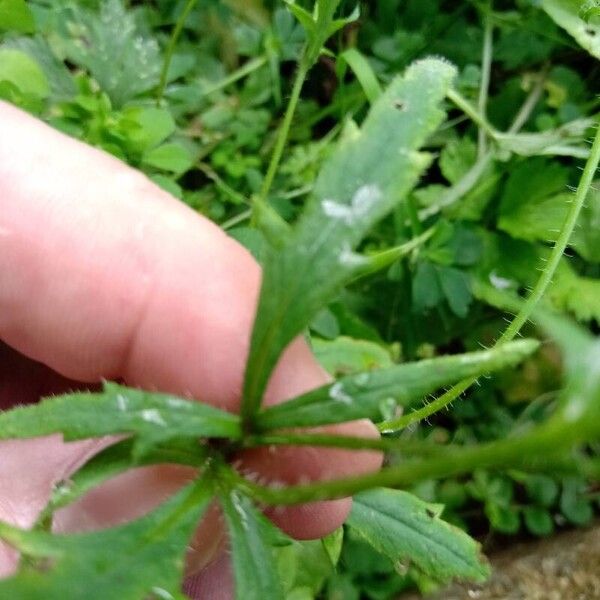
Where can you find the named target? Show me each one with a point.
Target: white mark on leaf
(349, 258)
(337, 393)
(151, 415)
(121, 402)
(500, 283)
(362, 202)
(237, 505)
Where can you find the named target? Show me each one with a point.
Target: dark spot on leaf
(590, 31)
(400, 105)
(430, 513)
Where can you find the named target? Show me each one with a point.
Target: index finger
(103, 275)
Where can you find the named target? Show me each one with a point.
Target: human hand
(105, 276)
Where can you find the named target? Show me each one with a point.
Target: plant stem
(472, 112)
(429, 409)
(468, 181)
(344, 441)
(517, 452)
(243, 71)
(529, 305)
(462, 187)
(486, 67)
(283, 133)
(560, 245)
(171, 48)
(385, 258)
(529, 104)
(235, 220)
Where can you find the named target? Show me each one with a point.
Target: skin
(105, 276)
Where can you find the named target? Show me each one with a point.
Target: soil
(564, 567)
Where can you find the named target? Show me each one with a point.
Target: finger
(28, 471)
(289, 465)
(215, 582)
(103, 275)
(23, 381)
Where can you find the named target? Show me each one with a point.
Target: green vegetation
(409, 175)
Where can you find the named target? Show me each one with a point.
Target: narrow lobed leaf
(410, 533)
(366, 177)
(360, 396)
(251, 537)
(142, 559)
(151, 417)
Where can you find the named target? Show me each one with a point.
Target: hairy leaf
(370, 172)
(251, 537)
(151, 417)
(109, 44)
(566, 13)
(143, 559)
(410, 532)
(358, 396)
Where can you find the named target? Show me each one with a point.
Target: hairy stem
(324, 440)
(521, 452)
(530, 303)
(561, 243)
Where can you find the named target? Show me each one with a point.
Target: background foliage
(491, 199)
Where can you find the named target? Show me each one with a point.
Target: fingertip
(312, 520)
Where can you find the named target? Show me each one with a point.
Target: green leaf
(123, 60)
(457, 157)
(151, 417)
(573, 504)
(359, 396)
(408, 530)
(538, 520)
(363, 72)
(426, 289)
(576, 294)
(502, 518)
(455, 285)
(567, 140)
(147, 127)
(304, 17)
(542, 490)
(170, 157)
(345, 356)
(578, 414)
(318, 26)
(305, 273)
(251, 539)
(16, 16)
(304, 566)
(534, 203)
(60, 79)
(332, 544)
(586, 237)
(141, 559)
(22, 71)
(566, 14)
